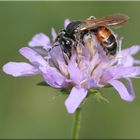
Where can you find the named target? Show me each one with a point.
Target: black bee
(67, 37)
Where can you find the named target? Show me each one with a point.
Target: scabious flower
(88, 67)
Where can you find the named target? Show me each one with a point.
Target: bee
(99, 26)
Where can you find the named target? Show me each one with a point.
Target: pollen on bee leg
(89, 43)
(79, 50)
(63, 69)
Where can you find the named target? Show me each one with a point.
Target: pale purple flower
(88, 67)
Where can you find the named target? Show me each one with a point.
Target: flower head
(88, 67)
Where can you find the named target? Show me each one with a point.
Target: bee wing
(112, 20)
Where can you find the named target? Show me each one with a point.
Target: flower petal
(75, 98)
(33, 56)
(56, 52)
(125, 57)
(130, 87)
(40, 40)
(120, 72)
(54, 34)
(137, 62)
(75, 73)
(53, 77)
(66, 22)
(130, 51)
(19, 69)
(122, 90)
(92, 83)
(129, 61)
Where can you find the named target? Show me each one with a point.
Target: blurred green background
(29, 111)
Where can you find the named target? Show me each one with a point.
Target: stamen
(119, 55)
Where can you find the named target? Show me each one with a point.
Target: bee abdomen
(111, 39)
(112, 48)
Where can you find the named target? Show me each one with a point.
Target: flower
(88, 67)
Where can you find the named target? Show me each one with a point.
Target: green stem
(76, 124)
